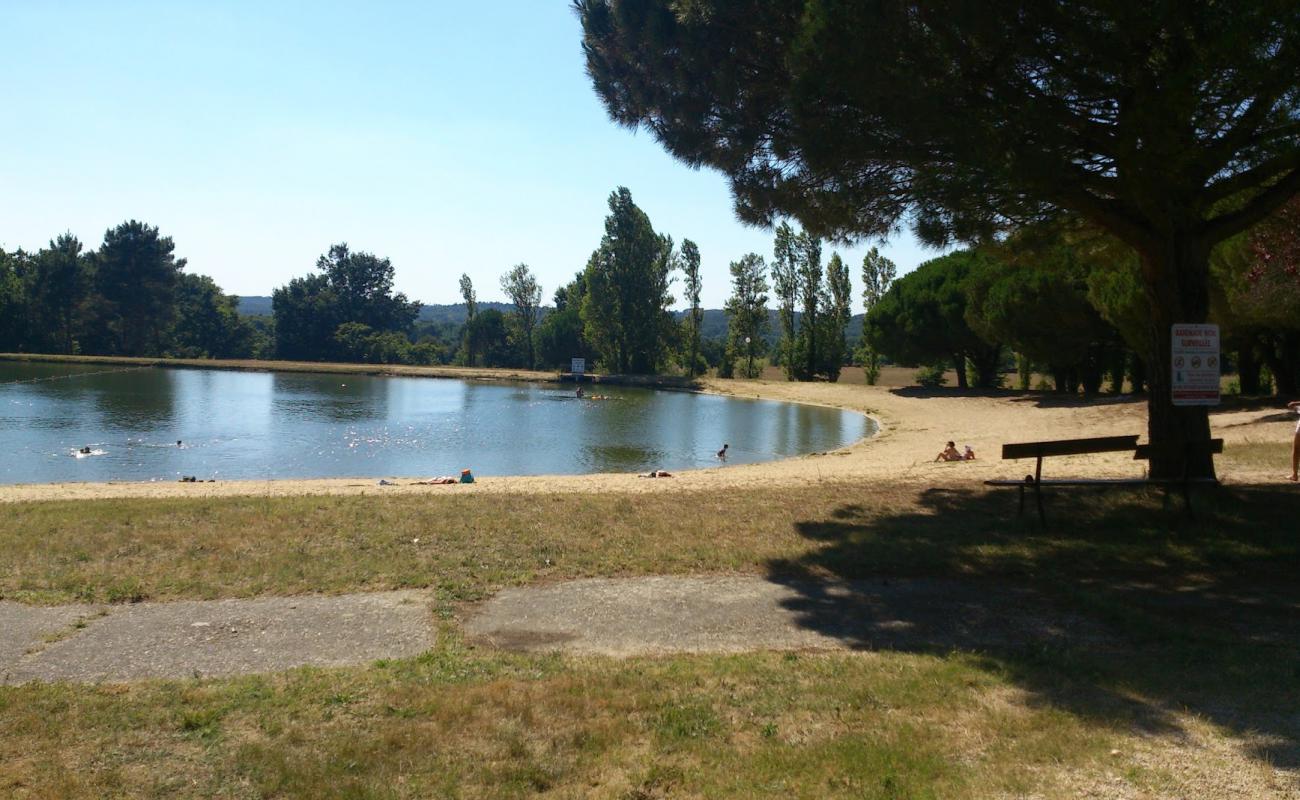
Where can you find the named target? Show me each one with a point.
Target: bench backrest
(1070, 447)
(1146, 451)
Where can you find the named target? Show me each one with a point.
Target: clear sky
(448, 136)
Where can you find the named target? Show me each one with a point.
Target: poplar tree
(521, 286)
(785, 283)
(695, 316)
(747, 309)
(878, 273)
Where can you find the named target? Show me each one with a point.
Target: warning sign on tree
(1196, 365)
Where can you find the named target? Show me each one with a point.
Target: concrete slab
(230, 637)
(635, 616)
(26, 629)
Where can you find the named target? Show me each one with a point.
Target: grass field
(1198, 680)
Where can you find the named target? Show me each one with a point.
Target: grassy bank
(468, 546)
(1191, 692)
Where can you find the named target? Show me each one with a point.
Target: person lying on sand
(656, 473)
(445, 479)
(949, 453)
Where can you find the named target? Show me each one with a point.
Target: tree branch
(1221, 227)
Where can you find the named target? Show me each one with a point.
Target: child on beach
(949, 453)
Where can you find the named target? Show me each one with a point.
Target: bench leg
(1022, 501)
(1038, 491)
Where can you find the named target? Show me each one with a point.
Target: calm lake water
(288, 425)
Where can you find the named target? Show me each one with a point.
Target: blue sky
(449, 137)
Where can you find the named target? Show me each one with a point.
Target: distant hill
(713, 327)
(258, 306)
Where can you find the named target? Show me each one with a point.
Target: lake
(254, 425)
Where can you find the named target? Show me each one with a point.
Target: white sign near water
(1195, 365)
(578, 366)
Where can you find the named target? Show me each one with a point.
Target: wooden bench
(1100, 444)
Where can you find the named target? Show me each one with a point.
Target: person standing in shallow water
(722, 454)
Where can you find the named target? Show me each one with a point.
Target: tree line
(1063, 301)
(129, 297)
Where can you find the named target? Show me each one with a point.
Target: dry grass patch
(458, 722)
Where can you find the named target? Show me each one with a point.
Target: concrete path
(634, 616)
(618, 617)
(208, 638)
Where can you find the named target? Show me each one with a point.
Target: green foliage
(812, 299)
(12, 303)
(836, 319)
(747, 312)
(695, 315)
(491, 338)
(350, 288)
(931, 376)
(624, 311)
(208, 323)
(878, 273)
(1038, 305)
(136, 274)
(921, 319)
(521, 286)
(812, 342)
(785, 284)
(131, 297)
(560, 334)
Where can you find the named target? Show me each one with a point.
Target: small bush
(931, 377)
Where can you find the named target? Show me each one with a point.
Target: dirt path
(208, 638)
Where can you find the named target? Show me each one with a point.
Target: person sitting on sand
(949, 453)
(969, 455)
(722, 454)
(1294, 405)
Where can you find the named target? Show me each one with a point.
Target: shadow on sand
(1121, 613)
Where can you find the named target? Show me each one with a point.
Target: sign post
(1195, 365)
(578, 366)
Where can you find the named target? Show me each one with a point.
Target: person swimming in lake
(949, 453)
(579, 393)
(85, 451)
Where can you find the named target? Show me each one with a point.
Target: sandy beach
(914, 425)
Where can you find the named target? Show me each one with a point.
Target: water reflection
(269, 425)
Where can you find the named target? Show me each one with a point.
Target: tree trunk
(1137, 373)
(1118, 367)
(1280, 353)
(959, 364)
(1176, 277)
(1248, 369)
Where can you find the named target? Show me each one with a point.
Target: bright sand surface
(914, 425)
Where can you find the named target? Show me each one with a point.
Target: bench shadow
(1121, 611)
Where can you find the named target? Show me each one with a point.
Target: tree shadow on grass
(1121, 611)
